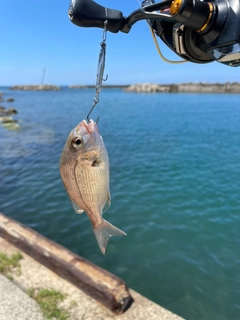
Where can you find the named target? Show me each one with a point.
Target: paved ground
(15, 304)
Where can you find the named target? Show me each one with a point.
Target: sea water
(175, 187)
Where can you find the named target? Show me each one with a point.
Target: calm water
(175, 185)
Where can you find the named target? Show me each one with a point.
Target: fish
(85, 173)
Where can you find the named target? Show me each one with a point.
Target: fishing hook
(105, 78)
(93, 106)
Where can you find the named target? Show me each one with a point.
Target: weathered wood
(98, 283)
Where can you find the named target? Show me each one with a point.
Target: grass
(48, 300)
(9, 265)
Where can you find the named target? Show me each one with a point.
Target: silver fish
(84, 168)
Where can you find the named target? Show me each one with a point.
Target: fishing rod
(198, 31)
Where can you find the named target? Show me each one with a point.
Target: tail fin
(104, 231)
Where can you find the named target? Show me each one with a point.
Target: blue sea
(175, 187)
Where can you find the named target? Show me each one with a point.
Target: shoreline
(188, 87)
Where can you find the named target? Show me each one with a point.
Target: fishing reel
(198, 31)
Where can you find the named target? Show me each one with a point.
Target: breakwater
(186, 87)
(190, 87)
(35, 87)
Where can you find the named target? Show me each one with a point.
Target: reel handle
(87, 13)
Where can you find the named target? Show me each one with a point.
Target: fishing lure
(100, 71)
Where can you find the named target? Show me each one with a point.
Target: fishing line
(157, 45)
(159, 51)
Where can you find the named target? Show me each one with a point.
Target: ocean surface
(175, 187)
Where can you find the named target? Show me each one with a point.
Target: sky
(38, 35)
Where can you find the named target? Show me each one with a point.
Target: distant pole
(43, 75)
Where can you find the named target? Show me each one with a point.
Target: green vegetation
(9, 265)
(48, 300)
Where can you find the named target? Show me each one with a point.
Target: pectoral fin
(107, 203)
(76, 208)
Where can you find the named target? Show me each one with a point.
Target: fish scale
(89, 191)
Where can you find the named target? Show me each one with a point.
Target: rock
(5, 119)
(11, 111)
(173, 88)
(111, 86)
(36, 87)
(77, 87)
(11, 125)
(10, 100)
(8, 120)
(148, 87)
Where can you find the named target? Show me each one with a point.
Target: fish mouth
(90, 127)
(86, 126)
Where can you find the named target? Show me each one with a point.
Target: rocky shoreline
(7, 114)
(186, 88)
(43, 87)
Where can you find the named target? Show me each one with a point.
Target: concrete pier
(15, 303)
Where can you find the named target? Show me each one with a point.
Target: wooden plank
(98, 283)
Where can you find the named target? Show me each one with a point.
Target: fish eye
(77, 142)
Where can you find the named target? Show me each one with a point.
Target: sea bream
(84, 168)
